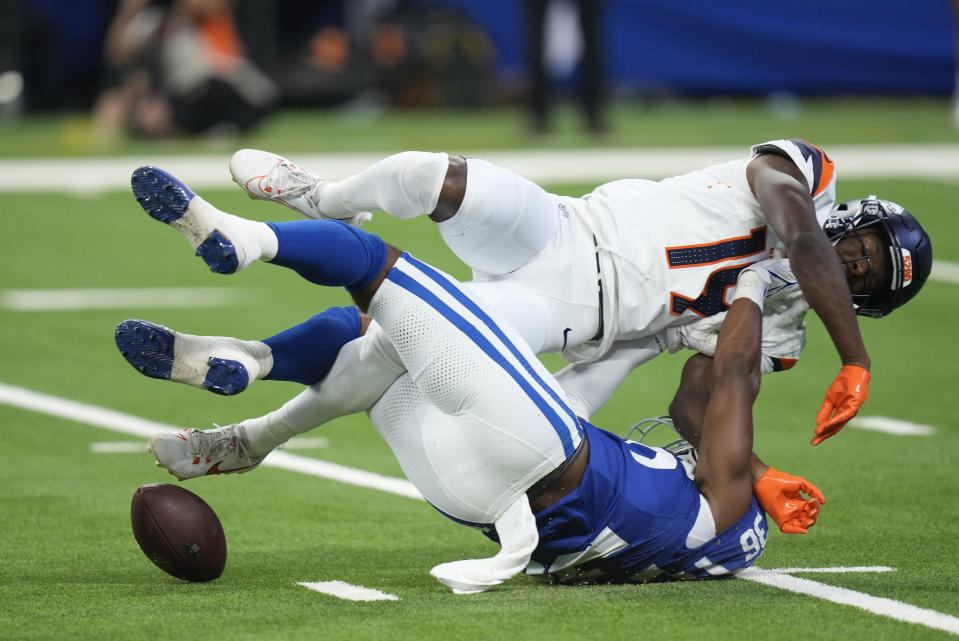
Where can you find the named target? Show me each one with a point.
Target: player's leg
(332, 254)
(549, 320)
(554, 298)
(225, 365)
(364, 368)
(404, 185)
(504, 220)
(467, 363)
(493, 219)
(328, 253)
(410, 424)
(479, 421)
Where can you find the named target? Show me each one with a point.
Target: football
(178, 532)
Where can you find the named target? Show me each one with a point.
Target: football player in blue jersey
(481, 427)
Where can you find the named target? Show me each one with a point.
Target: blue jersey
(629, 520)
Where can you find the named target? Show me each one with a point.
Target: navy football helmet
(909, 247)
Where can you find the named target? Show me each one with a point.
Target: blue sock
(329, 252)
(305, 353)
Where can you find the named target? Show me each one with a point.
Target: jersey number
(653, 457)
(753, 540)
(713, 299)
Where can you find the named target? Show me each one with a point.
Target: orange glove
(845, 396)
(779, 495)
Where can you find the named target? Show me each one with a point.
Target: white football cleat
(265, 176)
(191, 453)
(220, 364)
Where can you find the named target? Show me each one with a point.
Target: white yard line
(139, 447)
(56, 300)
(342, 473)
(891, 426)
(876, 605)
(343, 590)
(944, 271)
(119, 447)
(96, 175)
(835, 570)
(128, 424)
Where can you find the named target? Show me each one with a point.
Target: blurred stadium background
(161, 68)
(337, 84)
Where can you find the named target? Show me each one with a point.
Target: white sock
(191, 366)
(359, 376)
(259, 240)
(253, 240)
(265, 239)
(404, 185)
(266, 433)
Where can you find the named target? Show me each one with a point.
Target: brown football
(178, 531)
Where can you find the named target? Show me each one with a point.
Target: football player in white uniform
(485, 432)
(600, 278)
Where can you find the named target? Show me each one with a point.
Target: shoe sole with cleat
(151, 350)
(169, 201)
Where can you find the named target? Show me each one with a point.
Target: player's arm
(727, 467)
(781, 190)
(724, 468)
(688, 408)
(791, 501)
(779, 494)
(782, 193)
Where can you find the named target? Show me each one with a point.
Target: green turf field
(69, 567)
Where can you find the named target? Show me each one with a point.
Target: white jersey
(784, 326)
(706, 225)
(589, 385)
